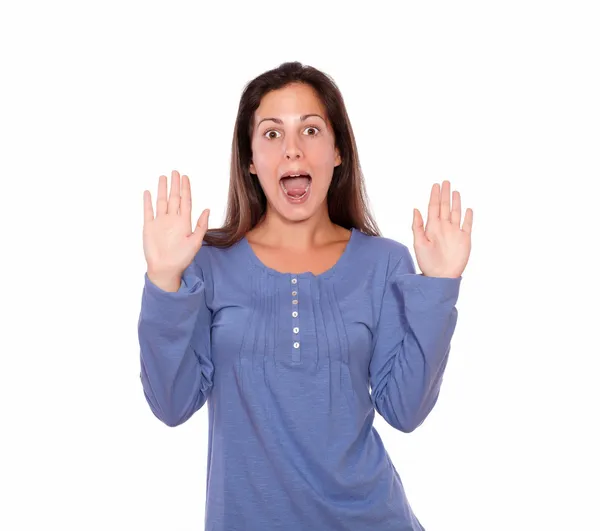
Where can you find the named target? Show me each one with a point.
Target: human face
(292, 134)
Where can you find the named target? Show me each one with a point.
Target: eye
(267, 133)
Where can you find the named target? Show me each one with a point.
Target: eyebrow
(280, 122)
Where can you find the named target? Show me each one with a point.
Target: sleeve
(411, 344)
(175, 355)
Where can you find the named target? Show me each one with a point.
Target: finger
(186, 198)
(418, 228)
(433, 211)
(148, 213)
(161, 196)
(175, 194)
(445, 201)
(468, 222)
(455, 214)
(201, 228)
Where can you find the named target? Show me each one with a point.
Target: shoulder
(210, 258)
(381, 249)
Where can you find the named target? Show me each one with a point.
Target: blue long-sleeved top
(292, 368)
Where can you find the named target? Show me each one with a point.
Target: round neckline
(257, 262)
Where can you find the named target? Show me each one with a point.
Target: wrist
(165, 281)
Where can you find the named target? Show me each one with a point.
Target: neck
(276, 231)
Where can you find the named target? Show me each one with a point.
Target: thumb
(418, 228)
(201, 228)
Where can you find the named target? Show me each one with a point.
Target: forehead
(293, 100)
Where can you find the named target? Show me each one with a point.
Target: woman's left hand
(442, 248)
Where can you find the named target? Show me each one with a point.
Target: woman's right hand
(169, 243)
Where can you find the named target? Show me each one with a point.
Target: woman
(284, 317)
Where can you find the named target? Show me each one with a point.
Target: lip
(299, 201)
(295, 172)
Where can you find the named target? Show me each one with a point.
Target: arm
(412, 344)
(174, 336)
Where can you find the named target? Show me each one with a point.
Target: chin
(298, 212)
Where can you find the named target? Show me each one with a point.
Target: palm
(442, 248)
(166, 242)
(169, 243)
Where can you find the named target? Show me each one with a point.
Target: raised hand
(442, 248)
(169, 243)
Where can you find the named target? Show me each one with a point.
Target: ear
(252, 168)
(338, 157)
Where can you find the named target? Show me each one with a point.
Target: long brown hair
(347, 200)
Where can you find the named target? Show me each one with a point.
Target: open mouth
(296, 186)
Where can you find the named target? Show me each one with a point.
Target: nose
(292, 151)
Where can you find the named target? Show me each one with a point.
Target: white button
(294, 314)
(296, 330)
(296, 345)
(294, 301)
(294, 280)
(294, 293)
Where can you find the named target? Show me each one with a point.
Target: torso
(316, 261)
(290, 357)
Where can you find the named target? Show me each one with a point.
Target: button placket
(295, 321)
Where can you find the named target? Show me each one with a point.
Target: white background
(100, 98)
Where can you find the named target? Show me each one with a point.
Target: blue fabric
(291, 396)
